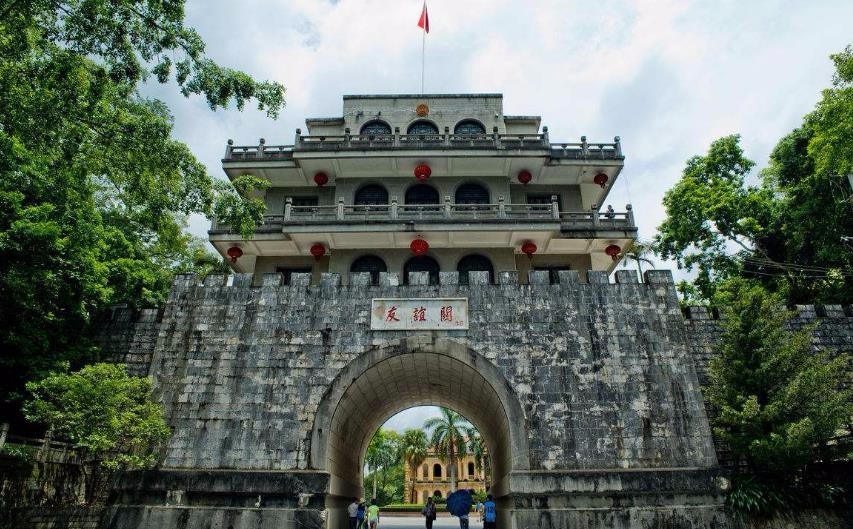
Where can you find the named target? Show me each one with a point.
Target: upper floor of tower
(450, 170)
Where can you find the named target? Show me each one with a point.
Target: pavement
(409, 522)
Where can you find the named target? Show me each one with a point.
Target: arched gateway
(584, 390)
(406, 373)
(585, 394)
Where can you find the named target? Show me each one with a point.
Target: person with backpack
(429, 512)
(490, 513)
(360, 515)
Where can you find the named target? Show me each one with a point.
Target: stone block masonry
(586, 393)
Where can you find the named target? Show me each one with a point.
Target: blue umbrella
(459, 502)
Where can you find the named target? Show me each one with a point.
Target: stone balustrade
(444, 212)
(447, 141)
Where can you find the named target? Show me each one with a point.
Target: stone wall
(129, 337)
(833, 330)
(587, 392)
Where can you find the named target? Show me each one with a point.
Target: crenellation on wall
(607, 376)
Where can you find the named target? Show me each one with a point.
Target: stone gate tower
(426, 250)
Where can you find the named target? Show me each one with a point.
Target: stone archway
(413, 372)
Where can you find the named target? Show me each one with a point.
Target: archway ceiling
(404, 381)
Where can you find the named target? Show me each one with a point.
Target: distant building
(433, 478)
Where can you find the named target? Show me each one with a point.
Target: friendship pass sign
(403, 314)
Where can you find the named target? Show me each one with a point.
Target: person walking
(490, 513)
(360, 515)
(352, 513)
(480, 511)
(429, 512)
(373, 514)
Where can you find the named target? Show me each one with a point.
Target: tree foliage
(791, 230)
(94, 192)
(778, 401)
(413, 448)
(102, 411)
(384, 460)
(448, 437)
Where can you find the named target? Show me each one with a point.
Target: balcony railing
(441, 213)
(362, 142)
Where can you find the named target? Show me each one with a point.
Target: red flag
(424, 20)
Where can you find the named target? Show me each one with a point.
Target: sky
(668, 77)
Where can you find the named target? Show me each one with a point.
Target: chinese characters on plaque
(395, 314)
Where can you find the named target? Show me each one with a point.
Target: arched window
(436, 473)
(436, 494)
(469, 127)
(470, 469)
(474, 263)
(371, 264)
(422, 127)
(421, 194)
(425, 473)
(422, 264)
(472, 194)
(371, 194)
(375, 128)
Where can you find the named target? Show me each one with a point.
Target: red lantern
(422, 172)
(528, 249)
(613, 251)
(321, 179)
(419, 247)
(318, 250)
(235, 252)
(600, 179)
(524, 176)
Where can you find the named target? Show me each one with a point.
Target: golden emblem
(422, 110)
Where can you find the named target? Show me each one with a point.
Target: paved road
(401, 522)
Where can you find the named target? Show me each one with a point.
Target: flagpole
(423, 58)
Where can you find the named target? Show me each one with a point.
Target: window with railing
(371, 264)
(371, 194)
(422, 263)
(474, 263)
(469, 127)
(287, 273)
(422, 195)
(375, 128)
(423, 127)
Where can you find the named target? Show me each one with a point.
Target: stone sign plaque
(404, 314)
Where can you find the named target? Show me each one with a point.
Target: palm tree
(414, 448)
(449, 433)
(482, 463)
(639, 253)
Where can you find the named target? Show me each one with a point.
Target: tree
(104, 413)
(448, 438)
(383, 453)
(639, 253)
(791, 231)
(778, 402)
(713, 220)
(482, 461)
(414, 450)
(94, 193)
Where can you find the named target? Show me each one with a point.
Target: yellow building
(433, 478)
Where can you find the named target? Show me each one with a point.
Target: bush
(403, 507)
(751, 497)
(103, 412)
